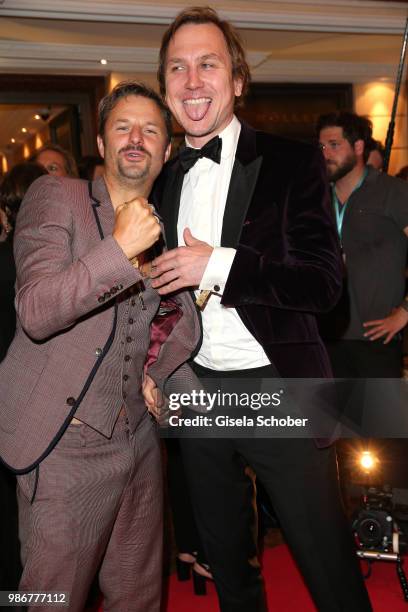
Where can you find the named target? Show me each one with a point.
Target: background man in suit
(73, 423)
(258, 234)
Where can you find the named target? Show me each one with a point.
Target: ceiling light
(13, 140)
(37, 117)
(104, 62)
(24, 130)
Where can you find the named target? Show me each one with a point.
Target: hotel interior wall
(22, 152)
(149, 78)
(375, 100)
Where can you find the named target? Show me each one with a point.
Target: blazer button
(216, 288)
(129, 339)
(98, 351)
(70, 401)
(125, 377)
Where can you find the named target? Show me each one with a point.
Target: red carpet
(286, 591)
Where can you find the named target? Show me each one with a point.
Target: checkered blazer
(68, 302)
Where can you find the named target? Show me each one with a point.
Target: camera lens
(369, 532)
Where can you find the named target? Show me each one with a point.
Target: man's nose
(326, 152)
(194, 80)
(136, 135)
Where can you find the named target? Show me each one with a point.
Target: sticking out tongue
(197, 109)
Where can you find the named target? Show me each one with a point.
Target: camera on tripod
(374, 524)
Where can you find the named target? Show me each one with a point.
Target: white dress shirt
(227, 344)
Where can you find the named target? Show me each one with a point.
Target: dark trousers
(364, 359)
(302, 483)
(185, 529)
(10, 566)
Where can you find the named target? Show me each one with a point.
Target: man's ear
(167, 152)
(359, 147)
(237, 87)
(101, 146)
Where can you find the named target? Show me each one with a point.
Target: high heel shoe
(184, 567)
(201, 573)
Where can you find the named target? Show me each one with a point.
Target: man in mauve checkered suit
(73, 424)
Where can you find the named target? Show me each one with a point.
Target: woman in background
(56, 160)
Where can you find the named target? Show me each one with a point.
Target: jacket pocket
(18, 382)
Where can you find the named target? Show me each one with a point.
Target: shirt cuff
(218, 268)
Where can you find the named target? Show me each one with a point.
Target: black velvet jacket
(287, 268)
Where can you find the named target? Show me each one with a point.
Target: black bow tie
(212, 150)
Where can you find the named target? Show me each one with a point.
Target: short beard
(339, 171)
(134, 173)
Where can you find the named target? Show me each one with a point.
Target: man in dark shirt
(371, 210)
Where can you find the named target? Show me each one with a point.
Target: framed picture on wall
(64, 130)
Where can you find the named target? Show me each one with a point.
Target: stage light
(368, 461)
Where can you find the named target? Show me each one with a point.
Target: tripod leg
(402, 578)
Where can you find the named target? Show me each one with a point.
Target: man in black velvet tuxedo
(256, 232)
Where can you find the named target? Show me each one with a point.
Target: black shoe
(201, 573)
(184, 568)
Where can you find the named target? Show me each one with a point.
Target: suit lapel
(242, 185)
(171, 203)
(102, 207)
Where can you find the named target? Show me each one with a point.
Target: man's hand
(136, 228)
(181, 267)
(153, 399)
(149, 389)
(387, 327)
